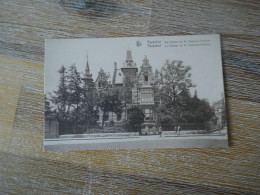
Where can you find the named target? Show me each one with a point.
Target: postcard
(134, 93)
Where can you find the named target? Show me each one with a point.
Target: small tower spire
(156, 73)
(88, 76)
(114, 74)
(87, 68)
(195, 94)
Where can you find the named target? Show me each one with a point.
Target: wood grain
(26, 169)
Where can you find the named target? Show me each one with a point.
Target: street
(137, 142)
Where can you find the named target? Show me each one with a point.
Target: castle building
(140, 84)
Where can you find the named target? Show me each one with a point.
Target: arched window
(146, 78)
(99, 84)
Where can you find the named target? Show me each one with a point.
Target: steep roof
(129, 62)
(119, 77)
(87, 71)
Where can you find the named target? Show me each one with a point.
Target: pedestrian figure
(160, 131)
(154, 129)
(179, 128)
(176, 128)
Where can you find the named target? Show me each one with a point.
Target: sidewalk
(191, 133)
(182, 134)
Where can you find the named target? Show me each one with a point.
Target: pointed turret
(87, 76)
(129, 59)
(129, 68)
(87, 70)
(146, 62)
(129, 55)
(156, 73)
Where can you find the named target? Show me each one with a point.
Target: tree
(201, 110)
(88, 107)
(135, 118)
(104, 95)
(195, 111)
(117, 102)
(175, 79)
(164, 117)
(61, 96)
(47, 106)
(75, 95)
(109, 99)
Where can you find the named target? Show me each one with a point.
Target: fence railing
(68, 127)
(184, 127)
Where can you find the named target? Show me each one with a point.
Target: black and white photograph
(134, 93)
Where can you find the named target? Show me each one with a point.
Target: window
(99, 84)
(146, 78)
(148, 114)
(146, 98)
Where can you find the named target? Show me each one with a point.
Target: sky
(201, 52)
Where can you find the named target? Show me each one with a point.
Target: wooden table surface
(26, 169)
